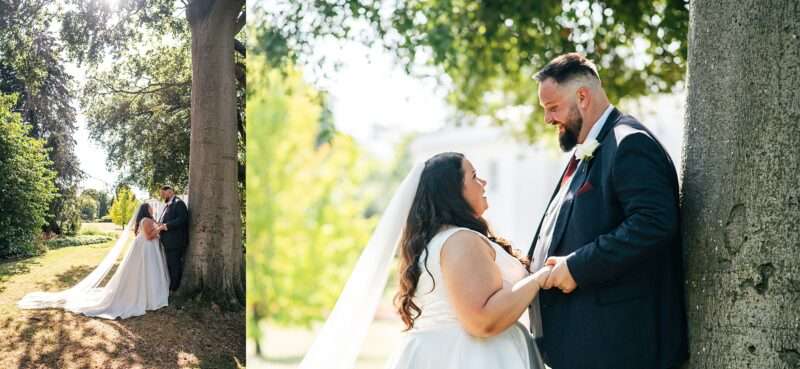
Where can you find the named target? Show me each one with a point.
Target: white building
(521, 177)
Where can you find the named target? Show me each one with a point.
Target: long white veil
(339, 340)
(77, 294)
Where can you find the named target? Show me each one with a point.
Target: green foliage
(68, 221)
(95, 27)
(77, 241)
(32, 65)
(489, 50)
(26, 184)
(123, 206)
(306, 221)
(139, 110)
(102, 200)
(88, 207)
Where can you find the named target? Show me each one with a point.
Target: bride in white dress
(140, 283)
(462, 291)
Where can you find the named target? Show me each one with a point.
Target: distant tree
(101, 197)
(124, 205)
(88, 207)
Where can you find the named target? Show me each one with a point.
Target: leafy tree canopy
(489, 50)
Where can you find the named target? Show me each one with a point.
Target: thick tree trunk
(741, 184)
(214, 260)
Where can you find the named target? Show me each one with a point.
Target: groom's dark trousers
(175, 239)
(620, 218)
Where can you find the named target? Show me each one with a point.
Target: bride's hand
(541, 275)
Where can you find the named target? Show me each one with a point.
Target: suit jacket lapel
(578, 180)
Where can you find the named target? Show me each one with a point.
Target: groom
(174, 235)
(614, 298)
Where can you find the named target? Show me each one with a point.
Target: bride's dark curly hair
(439, 202)
(144, 212)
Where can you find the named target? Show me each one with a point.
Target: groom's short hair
(567, 67)
(166, 187)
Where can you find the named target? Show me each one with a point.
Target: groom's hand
(560, 277)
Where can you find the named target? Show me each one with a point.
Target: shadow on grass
(66, 279)
(167, 338)
(12, 268)
(71, 277)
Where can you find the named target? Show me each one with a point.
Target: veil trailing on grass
(78, 295)
(339, 340)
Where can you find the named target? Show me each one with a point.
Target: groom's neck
(590, 118)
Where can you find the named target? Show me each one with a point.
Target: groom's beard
(572, 128)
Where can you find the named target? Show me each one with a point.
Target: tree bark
(741, 184)
(214, 260)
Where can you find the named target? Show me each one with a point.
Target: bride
(141, 282)
(462, 290)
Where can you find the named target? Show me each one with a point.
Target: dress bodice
(432, 295)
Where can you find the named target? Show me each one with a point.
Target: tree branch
(240, 48)
(240, 22)
(149, 89)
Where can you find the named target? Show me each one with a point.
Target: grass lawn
(100, 227)
(284, 347)
(190, 337)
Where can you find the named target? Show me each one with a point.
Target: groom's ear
(583, 96)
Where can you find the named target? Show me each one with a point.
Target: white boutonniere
(585, 150)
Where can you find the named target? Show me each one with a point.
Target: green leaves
(26, 184)
(138, 110)
(123, 207)
(489, 50)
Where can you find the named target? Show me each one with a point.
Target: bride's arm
(149, 229)
(481, 301)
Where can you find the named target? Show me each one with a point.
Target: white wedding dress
(438, 340)
(140, 284)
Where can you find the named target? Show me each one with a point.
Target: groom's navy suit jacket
(620, 218)
(176, 217)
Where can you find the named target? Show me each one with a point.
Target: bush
(27, 184)
(77, 241)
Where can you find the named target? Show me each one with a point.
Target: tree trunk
(214, 260)
(741, 184)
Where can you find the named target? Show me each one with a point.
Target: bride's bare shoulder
(464, 242)
(148, 222)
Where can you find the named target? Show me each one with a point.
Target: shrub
(27, 184)
(77, 241)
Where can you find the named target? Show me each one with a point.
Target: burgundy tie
(573, 164)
